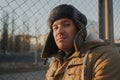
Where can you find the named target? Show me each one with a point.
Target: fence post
(109, 21)
(106, 30)
(101, 19)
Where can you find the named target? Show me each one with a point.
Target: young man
(78, 55)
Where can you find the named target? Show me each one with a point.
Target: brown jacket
(102, 63)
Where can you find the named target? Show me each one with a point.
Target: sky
(31, 15)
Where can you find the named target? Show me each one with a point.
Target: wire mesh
(116, 11)
(24, 22)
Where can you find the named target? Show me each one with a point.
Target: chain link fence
(23, 29)
(116, 11)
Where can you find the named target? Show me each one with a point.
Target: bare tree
(4, 39)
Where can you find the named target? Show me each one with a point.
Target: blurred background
(23, 31)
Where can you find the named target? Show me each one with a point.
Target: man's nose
(60, 30)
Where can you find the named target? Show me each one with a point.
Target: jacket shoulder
(102, 60)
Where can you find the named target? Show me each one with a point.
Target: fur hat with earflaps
(63, 11)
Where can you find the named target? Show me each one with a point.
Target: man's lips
(61, 39)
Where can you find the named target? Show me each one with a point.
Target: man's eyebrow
(65, 21)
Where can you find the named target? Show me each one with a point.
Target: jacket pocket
(73, 72)
(72, 77)
(49, 78)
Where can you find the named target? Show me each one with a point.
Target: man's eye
(66, 24)
(55, 27)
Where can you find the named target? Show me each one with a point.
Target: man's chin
(61, 46)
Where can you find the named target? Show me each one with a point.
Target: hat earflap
(50, 47)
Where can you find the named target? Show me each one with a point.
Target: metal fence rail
(23, 29)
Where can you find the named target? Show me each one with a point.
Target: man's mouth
(61, 39)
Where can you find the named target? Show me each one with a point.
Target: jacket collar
(51, 50)
(92, 41)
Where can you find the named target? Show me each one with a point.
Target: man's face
(64, 32)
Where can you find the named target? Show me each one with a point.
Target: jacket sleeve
(107, 65)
